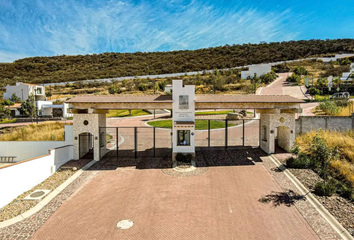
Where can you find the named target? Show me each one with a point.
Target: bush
(322, 189)
(314, 91)
(143, 87)
(299, 70)
(181, 157)
(268, 78)
(294, 78)
(114, 89)
(301, 162)
(344, 191)
(329, 107)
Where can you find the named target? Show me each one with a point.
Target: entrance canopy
(209, 101)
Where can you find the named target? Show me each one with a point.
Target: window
(183, 138)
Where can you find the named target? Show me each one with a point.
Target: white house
(45, 108)
(260, 70)
(345, 75)
(24, 90)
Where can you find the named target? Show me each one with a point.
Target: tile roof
(210, 98)
(120, 99)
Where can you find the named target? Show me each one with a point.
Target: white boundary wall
(23, 176)
(29, 149)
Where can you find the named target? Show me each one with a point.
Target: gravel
(341, 208)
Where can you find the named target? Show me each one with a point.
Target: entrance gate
(157, 142)
(138, 141)
(86, 145)
(228, 133)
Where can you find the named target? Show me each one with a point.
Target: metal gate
(228, 133)
(138, 141)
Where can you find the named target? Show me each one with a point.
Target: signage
(183, 102)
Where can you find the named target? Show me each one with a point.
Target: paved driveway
(221, 203)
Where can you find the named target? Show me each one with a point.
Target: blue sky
(56, 27)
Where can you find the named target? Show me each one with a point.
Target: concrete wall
(21, 90)
(21, 177)
(306, 123)
(258, 69)
(29, 149)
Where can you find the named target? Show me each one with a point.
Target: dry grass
(49, 131)
(344, 141)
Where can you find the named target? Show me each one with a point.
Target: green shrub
(301, 162)
(322, 189)
(299, 70)
(294, 78)
(114, 89)
(329, 107)
(345, 191)
(314, 91)
(143, 87)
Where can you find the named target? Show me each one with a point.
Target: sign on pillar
(183, 108)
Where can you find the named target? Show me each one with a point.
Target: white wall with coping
(260, 70)
(29, 149)
(21, 177)
(183, 115)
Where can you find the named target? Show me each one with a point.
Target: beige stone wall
(271, 121)
(306, 123)
(95, 121)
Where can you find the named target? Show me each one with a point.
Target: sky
(55, 27)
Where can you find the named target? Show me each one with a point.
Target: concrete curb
(47, 199)
(311, 198)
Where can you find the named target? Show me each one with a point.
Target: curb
(47, 199)
(311, 198)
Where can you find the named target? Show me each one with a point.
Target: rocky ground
(341, 208)
(19, 206)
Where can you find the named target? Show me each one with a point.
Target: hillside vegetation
(109, 65)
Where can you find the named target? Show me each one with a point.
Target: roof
(16, 105)
(209, 98)
(29, 84)
(120, 99)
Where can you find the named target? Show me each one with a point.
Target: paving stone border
(321, 221)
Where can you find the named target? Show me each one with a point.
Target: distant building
(168, 88)
(345, 75)
(260, 70)
(45, 108)
(24, 90)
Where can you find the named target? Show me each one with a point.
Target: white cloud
(70, 27)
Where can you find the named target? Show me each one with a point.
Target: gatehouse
(276, 118)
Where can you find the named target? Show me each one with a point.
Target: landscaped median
(199, 124)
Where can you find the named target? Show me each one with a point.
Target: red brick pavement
(219, 204)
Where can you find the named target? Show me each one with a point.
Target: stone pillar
(89, 123)
(286, 134)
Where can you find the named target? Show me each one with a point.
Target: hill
(109, 65)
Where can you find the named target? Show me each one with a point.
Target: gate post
(209, 133)
(154, 141)
(226, 133)
(117, 141)
(135, 142)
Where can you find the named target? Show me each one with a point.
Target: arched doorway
(86, 149)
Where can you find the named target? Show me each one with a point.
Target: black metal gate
(228, 133)
(138, 141)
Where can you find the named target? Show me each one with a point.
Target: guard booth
(183, 109)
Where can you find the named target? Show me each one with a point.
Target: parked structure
(256, 69)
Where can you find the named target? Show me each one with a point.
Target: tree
(15, 98)
(4, 112)
(49, 94)
(28, 107)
